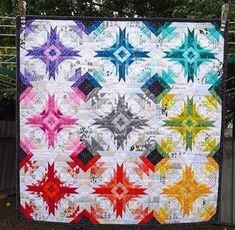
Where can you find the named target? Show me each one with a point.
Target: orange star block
(161, 215)
(207, 212)
(187, 190)
(119, 190)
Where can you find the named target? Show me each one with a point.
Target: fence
(7, 157)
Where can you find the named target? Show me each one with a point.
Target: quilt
(119, 120)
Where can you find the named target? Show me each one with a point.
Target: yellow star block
(210, 102)
(163, 166)
(189, 123)
(167, 145)
(168, 100)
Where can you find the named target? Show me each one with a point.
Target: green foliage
(142, 8)
(7, 71)
(198, 9)
(8, 7)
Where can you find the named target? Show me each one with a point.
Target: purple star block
(78, 28)
(26, 78)
(52, 53)
(28, 28)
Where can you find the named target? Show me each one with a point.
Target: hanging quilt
(119, 120)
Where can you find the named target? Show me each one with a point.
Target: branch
(109, 8)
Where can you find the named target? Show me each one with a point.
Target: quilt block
(119, 120)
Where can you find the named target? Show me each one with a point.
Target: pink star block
(51, 121)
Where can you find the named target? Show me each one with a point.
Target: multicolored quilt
(119, 120)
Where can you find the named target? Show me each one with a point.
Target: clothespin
(22, 11)
(115, 14)
(224, 16)
(22, 8)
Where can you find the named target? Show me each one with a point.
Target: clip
(224, 16)
(115, 14)
(22, 8)
(22, 11)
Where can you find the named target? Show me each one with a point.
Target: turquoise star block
(190, 54)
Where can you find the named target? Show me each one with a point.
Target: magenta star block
(51, 121)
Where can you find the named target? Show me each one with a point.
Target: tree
(146, 8)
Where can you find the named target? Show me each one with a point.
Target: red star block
(119, 190)
(51, 189)
(82, 158)
(84, 213)
(143, 214)
(28, 210)
(26, 146)
(144, 167)
(51, 121)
